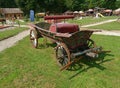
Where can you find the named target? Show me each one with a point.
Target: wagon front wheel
(34, 38)
(62, 55)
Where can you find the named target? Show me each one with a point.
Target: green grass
(36, 20)
(27, 21)
(22, 23)
(8, 33)
(108, 26)
(91, 20)
(22, 66)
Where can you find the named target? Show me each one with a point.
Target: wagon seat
(64, 28)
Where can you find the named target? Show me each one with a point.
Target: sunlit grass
(23, 66)
(108, 26)
(91, 20)
(11, 32)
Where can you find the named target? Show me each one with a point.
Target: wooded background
(58, 6)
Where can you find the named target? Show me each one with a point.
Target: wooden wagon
(71, 41)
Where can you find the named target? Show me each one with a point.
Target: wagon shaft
(89, 52)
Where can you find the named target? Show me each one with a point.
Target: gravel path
(12, 40)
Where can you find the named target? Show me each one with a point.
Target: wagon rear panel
(78, 39)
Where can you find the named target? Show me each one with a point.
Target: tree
(117, 4)
(58, 6)
(7, 4)
(75, 4)
(53, 6)
(25, 5)
(110, 4)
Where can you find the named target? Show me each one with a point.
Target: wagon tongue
(93, 52)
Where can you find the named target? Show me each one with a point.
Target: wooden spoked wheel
(34, 38)
(62, 55)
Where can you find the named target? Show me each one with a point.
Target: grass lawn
(22, 66)
(91, 20)
(36, 20)
(8, 33)
(108, 26)
(22, 23)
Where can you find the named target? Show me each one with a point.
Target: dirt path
(12, 40)
(111, 33)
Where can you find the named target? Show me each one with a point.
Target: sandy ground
(12, 40)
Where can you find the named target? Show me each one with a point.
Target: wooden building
(9, 13)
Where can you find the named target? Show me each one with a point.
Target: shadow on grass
(80, 65)
(91, 63)
(42, 46)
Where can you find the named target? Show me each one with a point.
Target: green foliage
(117, 3)
(54, 6)
(77, 4)
(110, 4)
(58, 6)
(94, 3)
(37, 18)
(26, 18)
(26, 5)
(7, 4)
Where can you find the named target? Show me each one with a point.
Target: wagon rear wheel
(34, 38)
(62, 55)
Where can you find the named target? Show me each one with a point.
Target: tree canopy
(58, 6)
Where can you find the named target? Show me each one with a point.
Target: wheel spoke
(33, 38)
(35, 42)
(33, 35)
